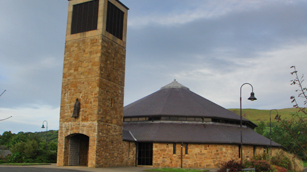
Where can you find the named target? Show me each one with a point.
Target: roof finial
(174, 84)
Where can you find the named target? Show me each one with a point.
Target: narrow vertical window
(174, 148)
(239, 151)
(254, 149)
(115, 21)
(186, 149)
(84, 17)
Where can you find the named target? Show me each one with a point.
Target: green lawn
(256, 115)
(305, 163)
(24, 164)
(177, 170)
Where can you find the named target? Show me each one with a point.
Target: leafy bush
(281, 160)
(232, 165)
(264, 156)
(248, 164)
(15, 158)
(279, 169)
(261, 165)
(41, 159)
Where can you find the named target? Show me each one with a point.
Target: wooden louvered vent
(85, 17)
(115, 21)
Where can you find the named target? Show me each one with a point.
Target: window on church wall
(198, 119)
(182, 118)
(84, 17)
(165, 118)
(127, 119)
(174, 148)
(142, 119)
(190, 119)
(115, 21)
(134, 119)
(207, 120)
(186, 148)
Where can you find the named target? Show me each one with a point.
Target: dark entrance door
(144, 153)
(78, 150)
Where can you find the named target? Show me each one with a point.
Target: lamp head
(277, 117)
(252, 97)
(43, 126)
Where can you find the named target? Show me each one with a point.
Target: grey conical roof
(175, 99)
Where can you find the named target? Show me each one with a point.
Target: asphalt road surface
(34, 169)
(54, 168)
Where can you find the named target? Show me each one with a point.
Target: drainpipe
(181, 153)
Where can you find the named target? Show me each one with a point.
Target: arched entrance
(78, 145)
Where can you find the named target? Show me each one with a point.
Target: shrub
(41, 159)
(232, 165)
(262, 156)
(279, 169)
(248, 164)
(15, 158)
(261, 165)
(281, 160)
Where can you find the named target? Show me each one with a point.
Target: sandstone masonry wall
(200, 155)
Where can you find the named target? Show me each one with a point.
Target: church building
(173, 127)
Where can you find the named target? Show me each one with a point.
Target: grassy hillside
(256, 115)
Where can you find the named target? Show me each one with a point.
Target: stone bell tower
(90, 131)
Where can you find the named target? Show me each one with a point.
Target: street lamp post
(271, 132)
(5, 118)
(251, 98)
(46, 125)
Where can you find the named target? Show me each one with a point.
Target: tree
(301, 91)
(291, 133)
(5, 138)
(261, 128)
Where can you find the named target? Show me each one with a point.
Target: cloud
(173, 13)
(207, 48)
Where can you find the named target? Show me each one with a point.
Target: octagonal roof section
(175, 99)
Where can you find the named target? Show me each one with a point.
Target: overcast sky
(210, 46)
